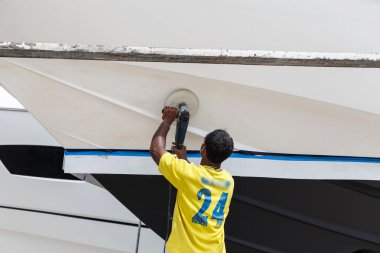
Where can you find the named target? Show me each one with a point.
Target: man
(204, 191)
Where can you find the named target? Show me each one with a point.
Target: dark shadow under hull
(273, 215)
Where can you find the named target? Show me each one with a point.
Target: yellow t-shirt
(203, 199)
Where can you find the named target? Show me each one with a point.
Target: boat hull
(110, 105)
(42, 209)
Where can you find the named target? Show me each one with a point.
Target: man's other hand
(169, 114)
(180, 153)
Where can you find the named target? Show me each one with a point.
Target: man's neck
(208, 163)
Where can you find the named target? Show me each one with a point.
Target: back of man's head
(219, 146)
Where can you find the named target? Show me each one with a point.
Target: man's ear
(204, 152)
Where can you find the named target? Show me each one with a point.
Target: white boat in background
(307, 122)
(45, 211)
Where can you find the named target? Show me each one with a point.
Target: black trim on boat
(250, 245)
(364, 187)
(74, 216)
(329, 226)
(34, 161)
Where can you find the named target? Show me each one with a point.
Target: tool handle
(182, 124)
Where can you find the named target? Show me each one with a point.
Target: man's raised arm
(158, 144)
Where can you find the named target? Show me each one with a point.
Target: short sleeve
(174, 169)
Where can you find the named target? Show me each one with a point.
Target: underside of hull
(272, 215)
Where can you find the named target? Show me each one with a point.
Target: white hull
(54, 215)
(107, 105)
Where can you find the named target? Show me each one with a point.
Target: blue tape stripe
(143, 153)
(106, 153)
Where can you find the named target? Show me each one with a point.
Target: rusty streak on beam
(178, 55)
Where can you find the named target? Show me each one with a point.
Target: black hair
(219, 146)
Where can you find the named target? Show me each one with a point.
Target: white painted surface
(150, 242)
(7, 101)
(111, 105)
(351, 88)
(70, 232)
(14, 130)
(23, 231)
(18, 242)
(67, 197)
(310, 25)
(70, 197)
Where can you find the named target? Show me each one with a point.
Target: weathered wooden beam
(178, 55)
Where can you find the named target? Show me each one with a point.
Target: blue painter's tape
(192, 154)
(306, 158)
(69, 152)
(140, 153)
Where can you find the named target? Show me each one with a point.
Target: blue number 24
(217, 214)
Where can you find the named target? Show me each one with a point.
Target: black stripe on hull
(73, 216)
(34, 161)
